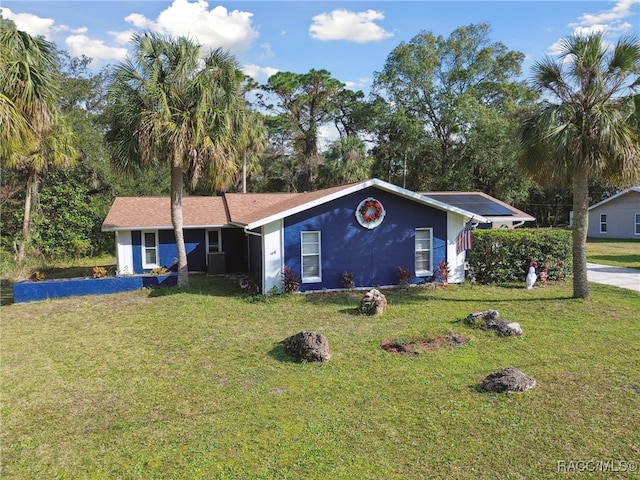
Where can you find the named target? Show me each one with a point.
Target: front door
(272, 256)
(124, 253)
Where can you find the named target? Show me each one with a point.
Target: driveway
(616, 276)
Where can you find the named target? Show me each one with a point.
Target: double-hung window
(424, 252)
(214, 241)
(149, 249)
(311, 257)
(637, 226)
(603, 223)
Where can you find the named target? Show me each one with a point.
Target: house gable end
(311, 200)
(372, 255)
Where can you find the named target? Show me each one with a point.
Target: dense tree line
(443, 114)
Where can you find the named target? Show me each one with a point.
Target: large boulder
(490, 320)
(508, 380)
(373, 302)
(308, 346)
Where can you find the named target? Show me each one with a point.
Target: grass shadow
(615, 259)
(502, 300)
(279, 353)
(6, 292)
(477, 388)
(215, 286)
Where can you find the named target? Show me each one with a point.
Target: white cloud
(259, 73)
(361, 83)
(609, 23)
(138, 20)
(215, 28)
(122, 38)
(608, 20)
(352, 26)
(267, 52)
(77, 44)
(96, 49)
(30, 23)
(326, 135)
(621, 10)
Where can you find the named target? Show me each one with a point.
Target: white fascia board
(382, 185)
(514, 218)
(613, 197)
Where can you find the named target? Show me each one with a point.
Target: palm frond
(587, 123)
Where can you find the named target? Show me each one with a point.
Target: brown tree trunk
(176, 220)
(244, 172)
(26, 219)
(580, 227)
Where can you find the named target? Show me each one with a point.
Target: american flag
(463, 239)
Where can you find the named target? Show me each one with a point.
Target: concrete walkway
(616, 276)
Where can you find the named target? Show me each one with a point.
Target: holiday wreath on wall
(370, 213)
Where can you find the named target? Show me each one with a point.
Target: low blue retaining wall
(34, 291)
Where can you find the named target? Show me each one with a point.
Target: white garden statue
(531, 276)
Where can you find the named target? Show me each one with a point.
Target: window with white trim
(603, 223)
(214, 241)
(424, 252)
(637, 228)
(311, 257)
(150, 249)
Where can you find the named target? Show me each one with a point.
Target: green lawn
(620, 253)
(193, 384)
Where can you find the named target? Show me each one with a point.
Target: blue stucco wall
(35, 291)
(373, 256)
(194, 240)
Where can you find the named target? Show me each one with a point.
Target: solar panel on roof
(473, 203)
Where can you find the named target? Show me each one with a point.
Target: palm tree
(251, 141)
(34, 135)
(172, 105)
(583, 129)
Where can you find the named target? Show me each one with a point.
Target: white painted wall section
(124, 253)
(272, 239)
(455, 223)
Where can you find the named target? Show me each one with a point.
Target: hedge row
(504, 255)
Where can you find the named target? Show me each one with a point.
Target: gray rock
(514, 329)
(508, 380)
(308, 346)
(490, 320)
(373, 302)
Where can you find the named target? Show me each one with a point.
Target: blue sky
(349, 39)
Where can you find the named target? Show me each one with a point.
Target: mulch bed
(414, 347)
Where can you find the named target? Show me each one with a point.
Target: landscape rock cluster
(490, 320)
(309, 346)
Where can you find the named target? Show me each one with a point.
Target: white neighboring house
(617, 216)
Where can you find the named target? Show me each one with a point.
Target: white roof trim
(403, 192)
(612, 197)
(510, 218)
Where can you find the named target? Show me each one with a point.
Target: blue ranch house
(368, 228)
